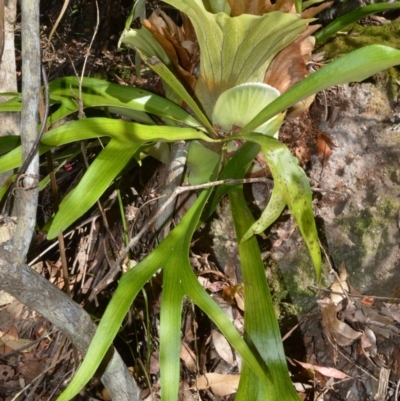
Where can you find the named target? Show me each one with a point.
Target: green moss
(387, 209)
(368, 228)
(289, 281)
(357, 36)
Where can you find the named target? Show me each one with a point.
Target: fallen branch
(33, 290)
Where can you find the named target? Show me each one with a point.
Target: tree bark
(9, 122)
(17, 278)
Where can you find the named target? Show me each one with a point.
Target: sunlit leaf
(127, 138)
(178, 88)
(260, 323)
(235, 50)
(291, 188)
(237, 106)
(176, 245)
(124, 100)
(354, 67)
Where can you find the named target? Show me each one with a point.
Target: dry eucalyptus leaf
(154, 363)
(240, 300)
(188, 357)
(221, 385)
(340, 285)
(394, 310)
(329, 372)
(368, 340)
(222, 347)
(324, 145)
(15, 343)
(335, 329)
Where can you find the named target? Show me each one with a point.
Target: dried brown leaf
(157, 23)
(336, 330)
(340, 284)
(239, 298)
(368, 340)
(222, 347)
(229, 292)
(154, 363)
(289, 66)
(13, 343)
(176, 53)
(221, 385)
(324, 145)
(286, 6)
(188, 29)
(326, 371)
(188, 357)
(394, 310)
(255, 7)
(238, 7)
(313, 11)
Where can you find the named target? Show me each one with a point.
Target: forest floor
(346, 346)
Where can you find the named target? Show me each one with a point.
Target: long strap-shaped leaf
(124, 100)
(156, 58)
(260, 323)
(172, 256)
(128, 101)
(354, 67)
(126, 140)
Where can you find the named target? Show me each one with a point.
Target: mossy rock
(357, 36)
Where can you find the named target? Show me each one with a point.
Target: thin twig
(355, 295)
(333, 271)
(64, 8)
(396, 396)
(109, 277)
(64, 357)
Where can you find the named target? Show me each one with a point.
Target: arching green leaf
(291, 188)
(126, 139)
(354, 67)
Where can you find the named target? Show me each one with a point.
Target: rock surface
(358, 215)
